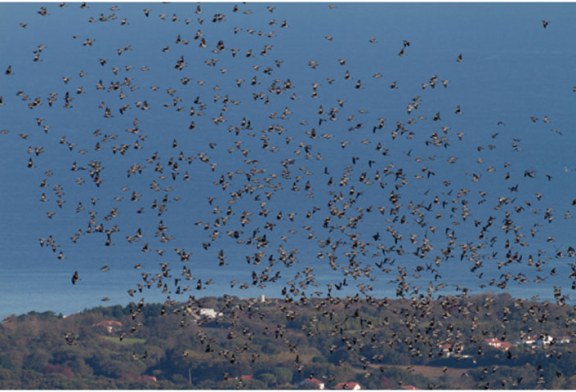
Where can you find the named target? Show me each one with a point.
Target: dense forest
(460, 342)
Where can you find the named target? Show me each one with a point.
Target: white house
(210, 313)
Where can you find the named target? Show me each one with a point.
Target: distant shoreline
(276, 299)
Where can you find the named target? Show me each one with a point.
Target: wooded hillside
(477, 342)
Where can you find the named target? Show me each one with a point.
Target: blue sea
(477, 105)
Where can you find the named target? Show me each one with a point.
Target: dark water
(512, 68)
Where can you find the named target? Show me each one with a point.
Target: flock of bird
(206, 151)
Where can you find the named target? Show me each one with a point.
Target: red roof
(493, 341)
(499, 344)
(146, 377)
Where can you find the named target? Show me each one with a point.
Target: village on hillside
(230, 343)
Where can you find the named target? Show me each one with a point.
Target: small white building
(210, 313)
(529, 339)
(545, 340)
(110, 326)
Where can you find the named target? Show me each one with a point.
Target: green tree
(283, 375)
(268, 379)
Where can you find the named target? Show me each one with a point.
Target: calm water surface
(512, 69)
